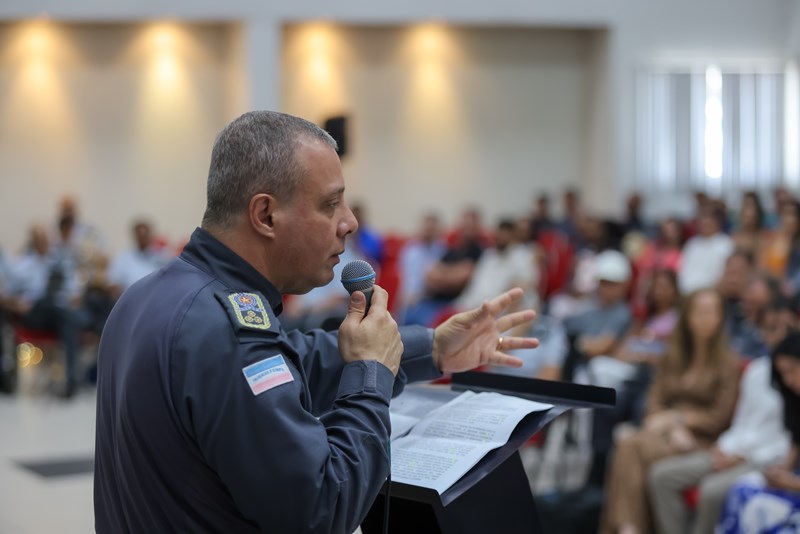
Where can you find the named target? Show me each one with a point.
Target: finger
(507, 322)
(500, 358)
(501, 302)
(473, 316)
(380, 299)
(358, 303)
(514, 343)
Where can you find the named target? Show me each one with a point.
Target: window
(715, 129)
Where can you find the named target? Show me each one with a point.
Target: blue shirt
(191, 436)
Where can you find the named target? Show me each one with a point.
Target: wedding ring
(499, 343)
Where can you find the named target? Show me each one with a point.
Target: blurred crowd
(62, 287)
(691, 320)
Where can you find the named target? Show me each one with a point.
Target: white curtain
(672, 143)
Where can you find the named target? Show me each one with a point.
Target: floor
(36, 430)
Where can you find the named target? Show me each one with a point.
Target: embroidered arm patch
(247, 310)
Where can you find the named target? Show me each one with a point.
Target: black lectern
(494, 496)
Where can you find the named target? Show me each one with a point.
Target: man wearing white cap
(599, 329)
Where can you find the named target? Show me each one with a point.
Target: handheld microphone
(359, 275)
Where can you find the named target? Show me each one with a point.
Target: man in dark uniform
(211, 417)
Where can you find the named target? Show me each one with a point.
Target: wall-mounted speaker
(337, 127)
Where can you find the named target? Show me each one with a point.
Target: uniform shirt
(212, 418)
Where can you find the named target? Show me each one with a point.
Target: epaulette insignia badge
(250, 310)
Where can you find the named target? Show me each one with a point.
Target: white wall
(638, 31)
(441, 117)
(121, 116)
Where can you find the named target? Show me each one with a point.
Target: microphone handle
(368, 294)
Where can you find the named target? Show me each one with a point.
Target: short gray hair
(255, 154)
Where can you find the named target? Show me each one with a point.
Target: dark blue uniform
(211, 418)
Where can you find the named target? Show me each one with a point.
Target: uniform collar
(209, 254)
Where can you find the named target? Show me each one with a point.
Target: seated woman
(757, 438)
(658, 255)
(771, 502)
(690, 402)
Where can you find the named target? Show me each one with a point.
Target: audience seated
(780, 196)
(591, 239)
(506, 265)
(136, 262)
(627, 366)
(746, 338)
(690, 403)
(633, 221)
(469, 228)
(367, 241)
(663, 253)
(5, 365)
(450, 275)
(569, 224)
(45, 293)
(749, 232)
(704, 255)
(417, 258)
(739, 270)
(776, 251)
(598, 330)
(541, 220)
(755, 440)
(769, 501)
(81, 242)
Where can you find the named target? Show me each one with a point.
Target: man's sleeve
(323, 364)
(286, 469)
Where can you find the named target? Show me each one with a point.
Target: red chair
(389, 272)
(34, 337)
(558, 255)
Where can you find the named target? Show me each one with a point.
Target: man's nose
(349, 224)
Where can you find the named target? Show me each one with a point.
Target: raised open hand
(474, 338)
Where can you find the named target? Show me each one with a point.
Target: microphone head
(358, 275)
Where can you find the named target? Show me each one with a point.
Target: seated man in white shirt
(507, 265)
(756, 439)
(137, 262)
(705, 254)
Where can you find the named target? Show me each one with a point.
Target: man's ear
(261, 211)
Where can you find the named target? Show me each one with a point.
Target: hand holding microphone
(368, 334)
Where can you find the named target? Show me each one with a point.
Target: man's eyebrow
(336, 193)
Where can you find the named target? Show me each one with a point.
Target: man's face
(430, 228)
(776, 324)
(610, 293)
(142, 235)
(39, 240)
(310, 228)
(503, 238)
(734, 278)
(755, 300)
(707, 225)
